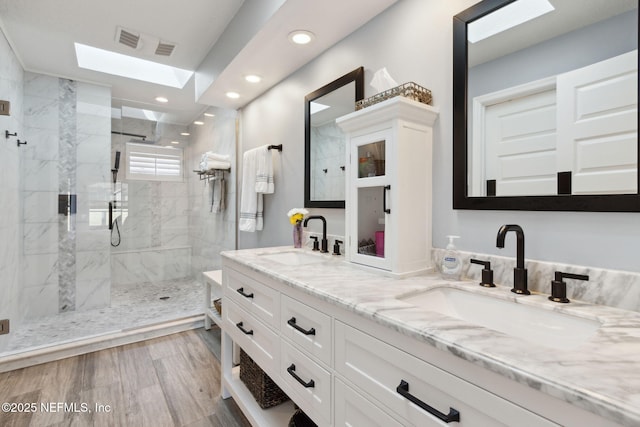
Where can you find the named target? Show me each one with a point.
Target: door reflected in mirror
(325, 151)
(545, 112)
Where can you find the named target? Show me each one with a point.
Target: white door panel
(521, 145)
(598, 125)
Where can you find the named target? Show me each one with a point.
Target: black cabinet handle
(241, 292)
(403, 390)
(292, 322)
(291, 369)
(384, 199)
(240, 326)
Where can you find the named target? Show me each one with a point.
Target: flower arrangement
(296, 215)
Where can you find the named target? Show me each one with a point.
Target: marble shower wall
(154, 236)
(209, 232)
(66, 257)
(11, 89)
(328, 153)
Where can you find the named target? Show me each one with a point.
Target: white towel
(249, 197)
(264, 175)
(214, 164)
(218, 190)
(211, 160)
(257, 179)
(210, 155)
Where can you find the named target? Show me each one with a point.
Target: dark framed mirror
(324, 142)
(534, 127)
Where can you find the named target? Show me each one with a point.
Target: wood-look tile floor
(167, 381)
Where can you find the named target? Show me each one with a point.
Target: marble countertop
(601, 375)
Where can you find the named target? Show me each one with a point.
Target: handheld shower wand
(116, 166)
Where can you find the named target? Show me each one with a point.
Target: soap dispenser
(451, 264)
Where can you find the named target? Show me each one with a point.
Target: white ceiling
(42, 33)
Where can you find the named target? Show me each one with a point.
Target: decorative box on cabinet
(389, 181)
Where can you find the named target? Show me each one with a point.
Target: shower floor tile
(132, 306)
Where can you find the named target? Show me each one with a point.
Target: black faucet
(519, 273)
(324, 244)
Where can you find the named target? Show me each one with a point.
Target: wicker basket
(217, 303)
(263, 389)
(300, 419)
(408, 90)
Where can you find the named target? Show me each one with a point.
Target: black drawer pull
(240, 326)
(292, 322)
(291, 369)
(241, 292)
(453, 415)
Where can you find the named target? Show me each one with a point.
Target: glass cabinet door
(371, 221)
(371, 159)
(370, 199)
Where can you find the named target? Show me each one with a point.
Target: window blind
(148, 162)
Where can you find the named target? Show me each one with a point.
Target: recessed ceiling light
(185, 133)
(233, 95)
(301, 36)
(252, 78)
(198, 122)
(175, 142)
(121, 65)
(209, 115)
(161, 99)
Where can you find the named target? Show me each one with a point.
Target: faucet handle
(315, 243)
(487, 273)
(559, 286)
(336, 247)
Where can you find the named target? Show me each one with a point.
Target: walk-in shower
(94, 246)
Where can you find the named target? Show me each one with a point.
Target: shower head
(142, 141)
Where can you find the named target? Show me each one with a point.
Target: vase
(297, 235)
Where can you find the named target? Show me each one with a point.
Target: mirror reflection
(552, 102)
(325, 142)
(526, 82)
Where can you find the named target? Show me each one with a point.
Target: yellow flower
(296, 215)
(294, 219)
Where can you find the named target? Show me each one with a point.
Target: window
(153, 163)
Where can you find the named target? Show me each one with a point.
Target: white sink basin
(296, 257)
(534, 324)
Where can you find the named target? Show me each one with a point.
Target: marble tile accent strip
(67, 166)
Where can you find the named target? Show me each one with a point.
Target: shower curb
(100, 342)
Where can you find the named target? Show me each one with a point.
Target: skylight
(506, 17)
(316, 107)
(130, 67)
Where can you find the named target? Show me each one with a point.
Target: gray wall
(605, 40)
(413, 40)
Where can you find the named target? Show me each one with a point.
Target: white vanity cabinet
(344, 369)
(389, 180)
(417, 392)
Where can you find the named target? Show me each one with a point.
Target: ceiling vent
(127, 38)
(165, 49)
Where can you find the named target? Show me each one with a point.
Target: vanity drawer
(385, 372)
(307, 383)
(353, 410)
(256, 339)
(256, 298)
(307, 328)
